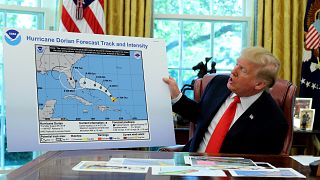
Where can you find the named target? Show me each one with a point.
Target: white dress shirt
(241, 108)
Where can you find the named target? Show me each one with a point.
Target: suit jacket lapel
(211, 102)
(213, 106)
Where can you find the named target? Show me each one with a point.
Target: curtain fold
(129, 17)
(280, 30)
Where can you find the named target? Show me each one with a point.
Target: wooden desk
(58, 165)
(301, 144)
(302, 141)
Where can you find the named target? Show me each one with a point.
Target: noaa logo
(40, 49)
(12, 37)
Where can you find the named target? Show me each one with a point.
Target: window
(195, 31)
(25, 14)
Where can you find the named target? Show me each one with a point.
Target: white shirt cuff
(173, 101)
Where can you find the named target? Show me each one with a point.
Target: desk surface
(306, 131)
(58, 165)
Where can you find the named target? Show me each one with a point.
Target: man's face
(243, 80)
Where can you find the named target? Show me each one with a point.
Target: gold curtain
(280, 30)
(129, 17)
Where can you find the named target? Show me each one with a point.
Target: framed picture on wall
(301, 103)
(306, 119)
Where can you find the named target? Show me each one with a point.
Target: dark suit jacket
(261, 129)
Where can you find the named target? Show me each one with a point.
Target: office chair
(283, 92)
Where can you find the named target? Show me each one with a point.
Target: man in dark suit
(258, 126)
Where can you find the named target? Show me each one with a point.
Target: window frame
(46, 20)
(211, 19)
(40, 12)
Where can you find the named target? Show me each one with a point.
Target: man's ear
(260, 85)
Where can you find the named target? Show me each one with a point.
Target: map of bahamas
(76, 83)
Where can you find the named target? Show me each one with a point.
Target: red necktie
(222, 127)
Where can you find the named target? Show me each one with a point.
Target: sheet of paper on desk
(265, 166)
(221, 162)
(305, 160)
(188, 159)
(105, 167)
(186, 171)
(141, 162)
(281, 173)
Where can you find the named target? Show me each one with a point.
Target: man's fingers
(166, 80)
(169, 80)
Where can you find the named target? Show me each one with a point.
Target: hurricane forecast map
(70, 91)
(101, 90)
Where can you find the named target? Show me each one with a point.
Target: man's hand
(174, 90)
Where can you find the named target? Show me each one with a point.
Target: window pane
(30, 3)
(227, 44)
(26, 21)
(2, 24)
(170, 32)
(2, 20)
(166, 7)
(16, 158)
(227, 7)
(184, 80)
(187, 79)
(1, 90)
(196, 43)
(200, 7)
(2, 114)
(174, 73)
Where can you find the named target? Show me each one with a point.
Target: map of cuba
(76, 83)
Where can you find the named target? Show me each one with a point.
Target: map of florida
(59, 62)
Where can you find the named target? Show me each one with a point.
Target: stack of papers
(194, 166)
(135, 165)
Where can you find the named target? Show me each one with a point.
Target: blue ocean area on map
(95, 87)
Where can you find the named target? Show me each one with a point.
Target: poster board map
(69, 91)
(86, 87)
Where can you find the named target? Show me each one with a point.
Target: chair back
(283, 92)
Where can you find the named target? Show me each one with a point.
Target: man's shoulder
(217, 87)
(220, 79)
(222, 76)
(266, 100)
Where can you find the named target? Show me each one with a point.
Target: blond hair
(269, 64)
